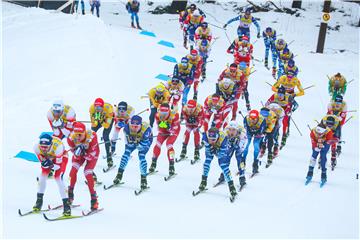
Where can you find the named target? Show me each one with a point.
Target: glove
(97, 116)
(317, 149)
(79, 150)
(225, 25)
(258, 35)
(58, 123)
(47, 164)
(121, 124)
(320, 145)
(192, 120)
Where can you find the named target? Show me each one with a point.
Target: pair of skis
(136, 192)
(84, 214)
(195, 193)
(192, 161)
(322, 182)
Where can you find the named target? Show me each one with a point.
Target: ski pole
(241, 114)
(215, 26)
(227, 36)
(351, 81)
(145, 110)
(309, 87)
(296, 126)
(348, 119)
(84, 121)
(309, 127)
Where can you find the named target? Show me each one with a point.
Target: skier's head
(265, 112)
(45, 142)
(232, 129)
(233, 67)
(247, 12)
(175, 80)
(135, 124)
(57, 108)
(291, 63)
(191, 105)
(338, 76)
(339, 99)
(193, 54)
(204, 42)
(163, 111)
(204, 25)
(226, 83)
(320, 129)
(215, 98)
(184, 62)
(213, 135)
(280, 43)
(122, 106)
(99, 104)
(79, 131)
(330, 121)
(242, 65)
(159, 90)
(286, 51)
(268, 30)
(254, 116)
(245, 39)
(192, 7)
(281, 92)
(196, 13)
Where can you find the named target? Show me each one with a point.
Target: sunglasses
(122, 108)
(98, 108)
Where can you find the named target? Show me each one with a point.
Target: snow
(79, 58)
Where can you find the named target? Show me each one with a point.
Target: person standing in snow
(245, 22)
(95, 4)
(133, 7)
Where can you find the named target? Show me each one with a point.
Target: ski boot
(185, 42)
(67, 209)
(248, 106)
(110, 162)
(276, 151)
(203, 76)
(71, 195)
(153, 165)
(197, 154)
(221, 178)
(310, 174)
(39, 202)
(269, 160)
(83, 12)
(242, 181)
(118, 177)
(171, 167)
(266, 63)
(338, 150)
(273, 72)
(143, 184)
(203, 183)
(95, 178)
(255, 166)
(94, 202)
(232, 188)
(283, 141)
(333, 160)
(183, 151)
(138, 26)
(51, 173)
(132, 25)
(323, 178)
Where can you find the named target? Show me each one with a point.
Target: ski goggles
(134, 127)
(281, 95)
(122, 109)
(44, 148)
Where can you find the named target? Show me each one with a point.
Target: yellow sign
(326, 17)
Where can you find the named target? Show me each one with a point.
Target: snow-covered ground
(79, 58)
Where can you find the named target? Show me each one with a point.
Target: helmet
(254, 114)
(79, 127)
(242, 65)
(265, 111)
(286, 51)
(99, 102)
(159, 89)
(245, 39)
(213, 133)
(268, 29)
(338, 99)
(291, 63)
(45, 139)
(281, 90)
(58, 107)
(204, 24)
(191, 104)
(196, 13)
(330, 121)
(320, 129)
(122, 106)
(233, 124)
(204, 42)
(194, 53)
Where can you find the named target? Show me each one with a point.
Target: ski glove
(258, 35)
(47, 164)
(225, 25)
(121, 124)
(79, 150)
(58, 123)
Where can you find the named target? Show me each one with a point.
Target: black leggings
(106, 138)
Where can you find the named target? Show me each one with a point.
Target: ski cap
(194, 52)
(99, 102)
(136, 120)
(79, 127)
(330, 121)
(233, 66)
(291, 63)
(281, 90)
(204, 42)
(338, 99)
(254, 114)
(191, 104)
(268, 29)
(57, 106)
(122, 106)
(242, 65)
(213, 133)
(245, 38)
(204, 24)
(265, 111)
(45, 139)
(233, 124)
(320, 129)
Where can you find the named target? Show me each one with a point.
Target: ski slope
(79, 58)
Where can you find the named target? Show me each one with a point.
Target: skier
(102, 115)
(290, 68)
(204, 49)
(193, 115)
(284, 56)
(85, 148)
(214, 105)
(52, 155)
(228, 92)
(61, 118)
(246, 71)
(245, 22)
(138, 136)
(243, 52)
(203, 32)
(269, 36)
(76, 6)
(268, 140)
(95, 4)
(237, 142)
(196, 60)
(216, 144)
(337, 85)
(175, 88)
(280, 45)
(157, 96)
(185, 71)
(133, 7)
(168, 129)
(123, 113)
(280, 114)
(286, 102)
(321, 139)
(255, 126)
(338, 108)
(333, 123)
(191, 23)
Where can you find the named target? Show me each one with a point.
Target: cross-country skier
(185, 71)
(157, 96)
(245, 21)
(204, 48)
(269, 36)
(61, 118)
(95, 4)
(337, 85)
(191, 23)
(133, 7)
(196, 60)
(333, 123)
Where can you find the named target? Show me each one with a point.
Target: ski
(61, 217)
(308, 180)
(152, 173)
(138, 192)
(97, 183)
(61, 206)
(32, 212)
(91, 212)
(180, 159)
(105, 170)
(167, 178)
(193, 161)
(268, 165)
(322, 183)
(113, 185)
(253, 174)
(194, 193)
(218, 183)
